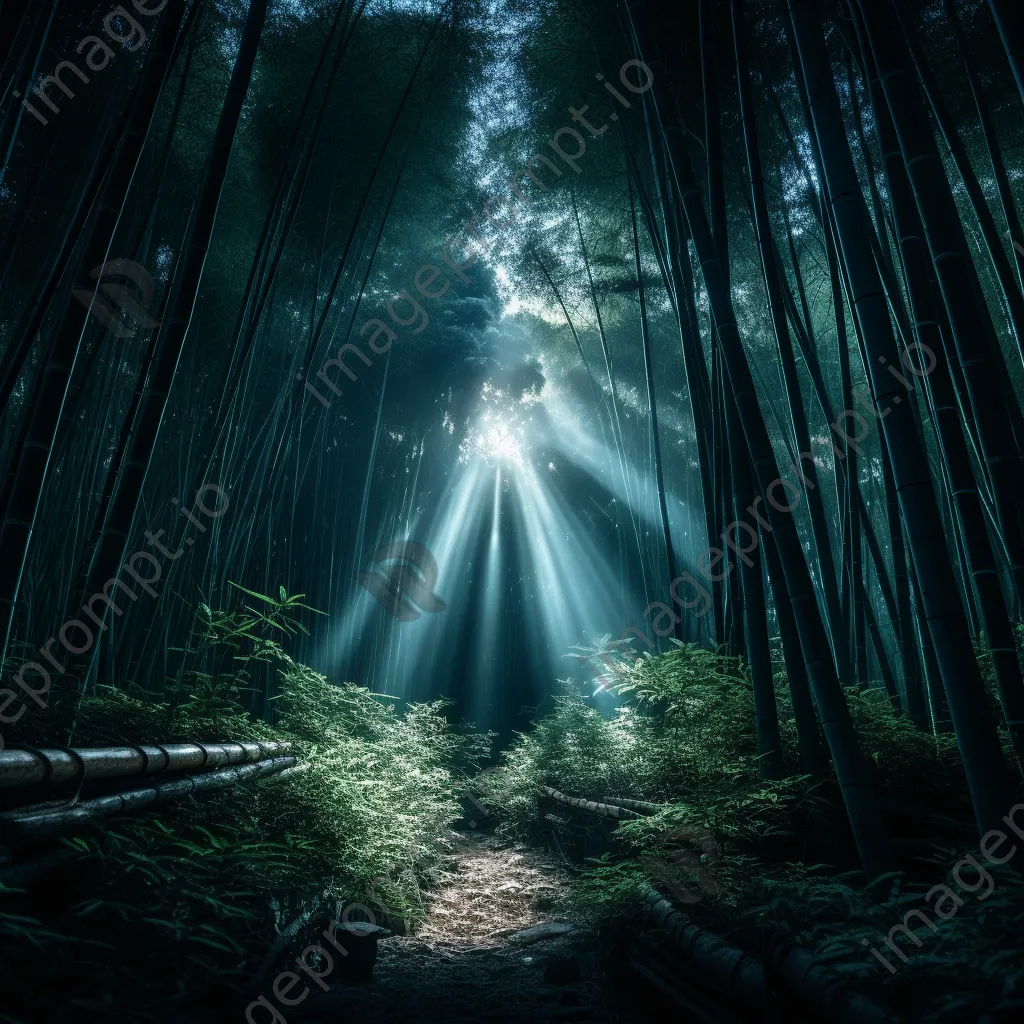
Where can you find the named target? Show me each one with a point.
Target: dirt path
(470, 962)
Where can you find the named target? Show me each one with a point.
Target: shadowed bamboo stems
(615, 421)
(55, 377)
(901, 623)
(813, 759)
(287, 412)
(1007, 18)
(851, 767)
(733, 458)
(670, 557)
(994, 245)
(30, 43)
(932, 331)
(171, 339)
(271, 245)
(1007, 204)
(773, 283)
(976, 343)
(316, 334)
(947, 623)
(697, 370)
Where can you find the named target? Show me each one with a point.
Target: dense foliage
(684, 739)
(185, 904)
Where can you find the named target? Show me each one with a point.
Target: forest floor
(488, 951)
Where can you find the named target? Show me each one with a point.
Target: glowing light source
(495, 444)
(498, 438)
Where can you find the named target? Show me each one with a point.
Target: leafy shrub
(179, 907)
(686, 739)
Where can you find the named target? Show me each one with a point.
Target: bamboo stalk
(641, 806)
(52, 767)
(605, 810)
(742, 976)
(28, 824)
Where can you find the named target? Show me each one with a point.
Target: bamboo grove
(797, 256)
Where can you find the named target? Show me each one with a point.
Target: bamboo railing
(26, 766)
(40, 821)
(640, 806)
(741, 976)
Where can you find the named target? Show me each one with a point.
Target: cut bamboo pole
(741, 976)
(52, 767)
(28, 824)
(726, 968)
(641, 806)
(605, 810)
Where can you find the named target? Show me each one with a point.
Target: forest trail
(480, 955)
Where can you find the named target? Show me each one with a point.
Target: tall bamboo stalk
(31, 475)
(659, 473)
(174, 329)
(976, 733)
(851, 766)
(773, 284)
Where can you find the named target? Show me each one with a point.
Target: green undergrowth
(757, 860)
(167, 914)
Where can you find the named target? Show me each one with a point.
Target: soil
(470, 960)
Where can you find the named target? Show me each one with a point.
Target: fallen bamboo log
(27, 824)
(54, 766)
(640, 806)
(605, 810)
(742, 976)
(730, 970)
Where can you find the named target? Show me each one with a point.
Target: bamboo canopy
(52, 767)
(28, 824)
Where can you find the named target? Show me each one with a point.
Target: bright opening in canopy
(495, 444)
(499, 436)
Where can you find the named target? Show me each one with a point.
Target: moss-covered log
(52, 767)
(28, 824)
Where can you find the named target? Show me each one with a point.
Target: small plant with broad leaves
(253, 632)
